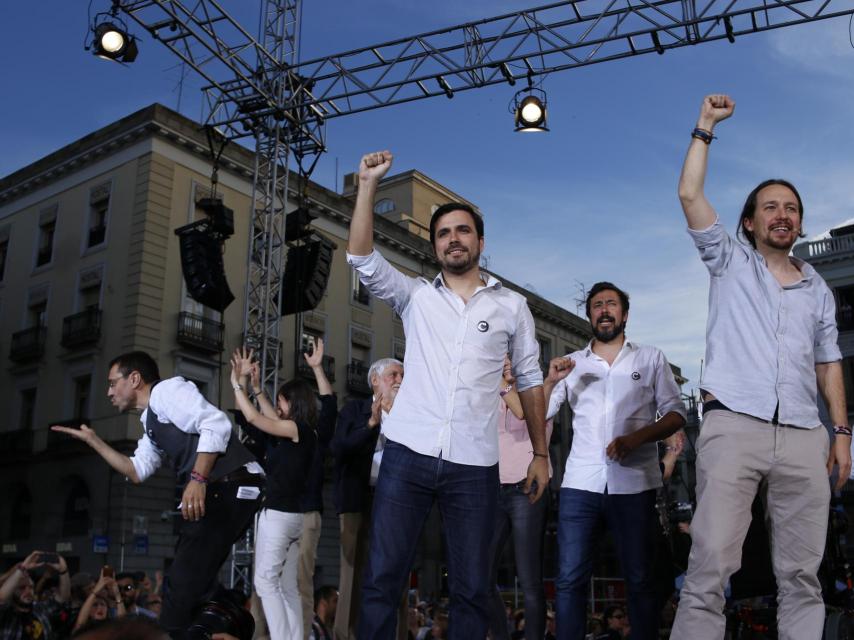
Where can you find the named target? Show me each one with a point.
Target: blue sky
(594, 199)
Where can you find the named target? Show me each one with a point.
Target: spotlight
(113, 42)
(530, 110)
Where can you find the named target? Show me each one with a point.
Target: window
(75, 520)
(99, 207)
(22, 515)
(89, 291)
(545, 352)
(4, 250)
(360, 346)
(360, 291)
(47, 230)
(82, 395)
(37, 314)
(27, 408)
(845, 308)
(386, 205)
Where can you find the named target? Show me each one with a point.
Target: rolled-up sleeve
(557, 397)
(181, 403)
(525, 351)
(826, 334)
(715, 246)
(667, 395)
(383, 280)
(146, 459)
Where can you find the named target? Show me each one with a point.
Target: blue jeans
(406, 488)
(527, 523)
(631, 519)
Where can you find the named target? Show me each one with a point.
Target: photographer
(20, 615)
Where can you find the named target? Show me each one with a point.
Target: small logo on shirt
(483, 326)
(635, 376)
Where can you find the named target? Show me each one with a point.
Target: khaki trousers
(307, 557)
(735, 453)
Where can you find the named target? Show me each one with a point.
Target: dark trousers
(527, 523)
(631, 520)
(201, 549)
(407, 486)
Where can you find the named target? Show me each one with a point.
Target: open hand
(315, 359)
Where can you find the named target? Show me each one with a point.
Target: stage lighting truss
(112, 40)
(529, 109)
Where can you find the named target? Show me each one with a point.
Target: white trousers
(276, 566)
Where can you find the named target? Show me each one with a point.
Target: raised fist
(375, 165)
(716, 107)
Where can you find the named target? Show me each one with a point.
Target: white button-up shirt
(179, 401)
(454, 357)
(611, 401)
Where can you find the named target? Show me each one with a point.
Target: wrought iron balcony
(328, 365)
(28, 344)
(200, 332)
(81, 328)
(357, 378)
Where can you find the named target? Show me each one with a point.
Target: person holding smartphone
(20, 615)
(104, 597)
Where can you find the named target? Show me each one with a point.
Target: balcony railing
(28, 344)
(81, 328)
(16, 444)
(328, 364)
(357, 378)
(200, 332)
(825, 248)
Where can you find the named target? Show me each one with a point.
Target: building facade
(90, 267)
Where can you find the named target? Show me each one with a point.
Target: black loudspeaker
(306, 274)
(204, 273)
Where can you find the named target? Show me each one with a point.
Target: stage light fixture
(113, 42)
(530, 110)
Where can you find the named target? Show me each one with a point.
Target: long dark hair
(750, 208)
(302, 401)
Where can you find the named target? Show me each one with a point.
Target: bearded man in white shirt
(616, 389)
(442, 433)
(221, 478)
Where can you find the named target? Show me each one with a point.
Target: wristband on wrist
(540, 455)
(703, 134)
(505, 390)
(198, 477)
(61, 573)
(842, 430)
(237, 387)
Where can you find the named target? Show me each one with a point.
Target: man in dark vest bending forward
(221, 478)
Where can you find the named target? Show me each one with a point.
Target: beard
(460, 264)
(606, 335)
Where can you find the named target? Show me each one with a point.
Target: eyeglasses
(127, 587)
(111, 382)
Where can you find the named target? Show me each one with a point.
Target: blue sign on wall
(140, 545)
(101, 544)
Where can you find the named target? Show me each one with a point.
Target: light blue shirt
(763, 339)
(454, 358)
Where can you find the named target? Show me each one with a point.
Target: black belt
(717, 405)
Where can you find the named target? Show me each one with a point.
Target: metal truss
(536, 41)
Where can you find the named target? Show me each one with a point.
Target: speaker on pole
(201, 263)
(306, 275)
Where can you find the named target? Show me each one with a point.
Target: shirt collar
(491, 281)
(627, 344)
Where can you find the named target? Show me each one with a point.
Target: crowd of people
(462, 424)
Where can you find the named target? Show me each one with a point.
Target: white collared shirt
(179, 401)
(454, 358)
(611, 401)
